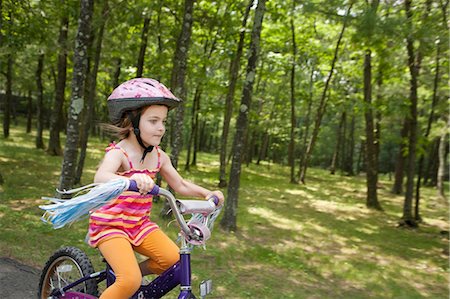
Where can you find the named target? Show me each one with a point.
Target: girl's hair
(120, 129)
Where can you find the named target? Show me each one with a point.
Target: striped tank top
(127, 215)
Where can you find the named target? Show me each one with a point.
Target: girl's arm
(180, 185)
(112, 163)
(109, 167)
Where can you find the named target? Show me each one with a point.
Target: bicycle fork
(185, 275)
(185, 279)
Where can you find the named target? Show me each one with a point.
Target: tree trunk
(76, 101)
(431, 117)
(348, 157)
(193, 140)
(291, 151)
(8, 96)
(407, 218)
(178, 87)
(230, 215)
(91, 93)
(178, 78)
(323, 101)
(442, 161)
(339, 139)
(371, 151)
(8, 92)
(29, 112)
(360, 164)
(234, 72)
(196, 138)
(54, 143)
(307, 121)
(397, 187)
(40, 102)
(116, 76)
(194, 124)
(144, 37)
(430, 173)
(263, 149)
(342, 149)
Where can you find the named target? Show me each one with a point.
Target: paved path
(17, 281)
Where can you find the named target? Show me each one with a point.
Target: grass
(294, 241)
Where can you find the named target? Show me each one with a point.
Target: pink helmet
(137, 93)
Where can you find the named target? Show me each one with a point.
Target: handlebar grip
(133, 187)
(214, 199)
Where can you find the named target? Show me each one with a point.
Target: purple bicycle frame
(178, 274)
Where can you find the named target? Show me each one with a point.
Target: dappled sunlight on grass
(299, 192)
(319, 238)
(346, 211)
(275, 219)
(24, 204)
(443, 224)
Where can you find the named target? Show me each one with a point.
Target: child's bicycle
(69, 273)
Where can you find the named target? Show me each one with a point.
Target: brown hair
(120, 130)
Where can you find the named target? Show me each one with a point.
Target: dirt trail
(17, 281)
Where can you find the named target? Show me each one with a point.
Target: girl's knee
(170, 260)
(130, 281)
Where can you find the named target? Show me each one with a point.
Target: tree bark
(234, 72)
(40, 104)
(76, 101)
(339, 139)
(116, 76)
(430, 173)
(230, 215)
(407, 218)
(194, 124)
(323, 101)
(54, 143)
(91, 92)
(29, 112)
(178, 87)
(291, 151)
(141, 57)
(178, 78)
(397, 187)
(8, 92)
(431, 118)
(193, 139)
(307, 122)
(348, 157)
(371, 150)
(442, 161)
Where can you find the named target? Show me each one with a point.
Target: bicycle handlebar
(156, 190)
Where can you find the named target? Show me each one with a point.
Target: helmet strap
(135, 122)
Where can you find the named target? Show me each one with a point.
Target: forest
(353, 87)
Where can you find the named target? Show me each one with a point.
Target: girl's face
(153, 124)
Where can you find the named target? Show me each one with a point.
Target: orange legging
(118, 252)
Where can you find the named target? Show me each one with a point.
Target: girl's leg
(161, 250)
(119, 254)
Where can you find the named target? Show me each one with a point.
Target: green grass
(294, 241)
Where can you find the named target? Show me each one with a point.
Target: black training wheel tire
(70, 264)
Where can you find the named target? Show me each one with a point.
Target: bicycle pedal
(205, 287)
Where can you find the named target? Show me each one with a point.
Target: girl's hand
(218, 194)
(144, 182)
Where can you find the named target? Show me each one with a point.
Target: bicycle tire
(65, 266)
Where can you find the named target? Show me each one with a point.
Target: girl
(138, 109)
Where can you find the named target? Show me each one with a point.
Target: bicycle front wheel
(65, 266)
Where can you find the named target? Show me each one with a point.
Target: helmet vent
(148, 83)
